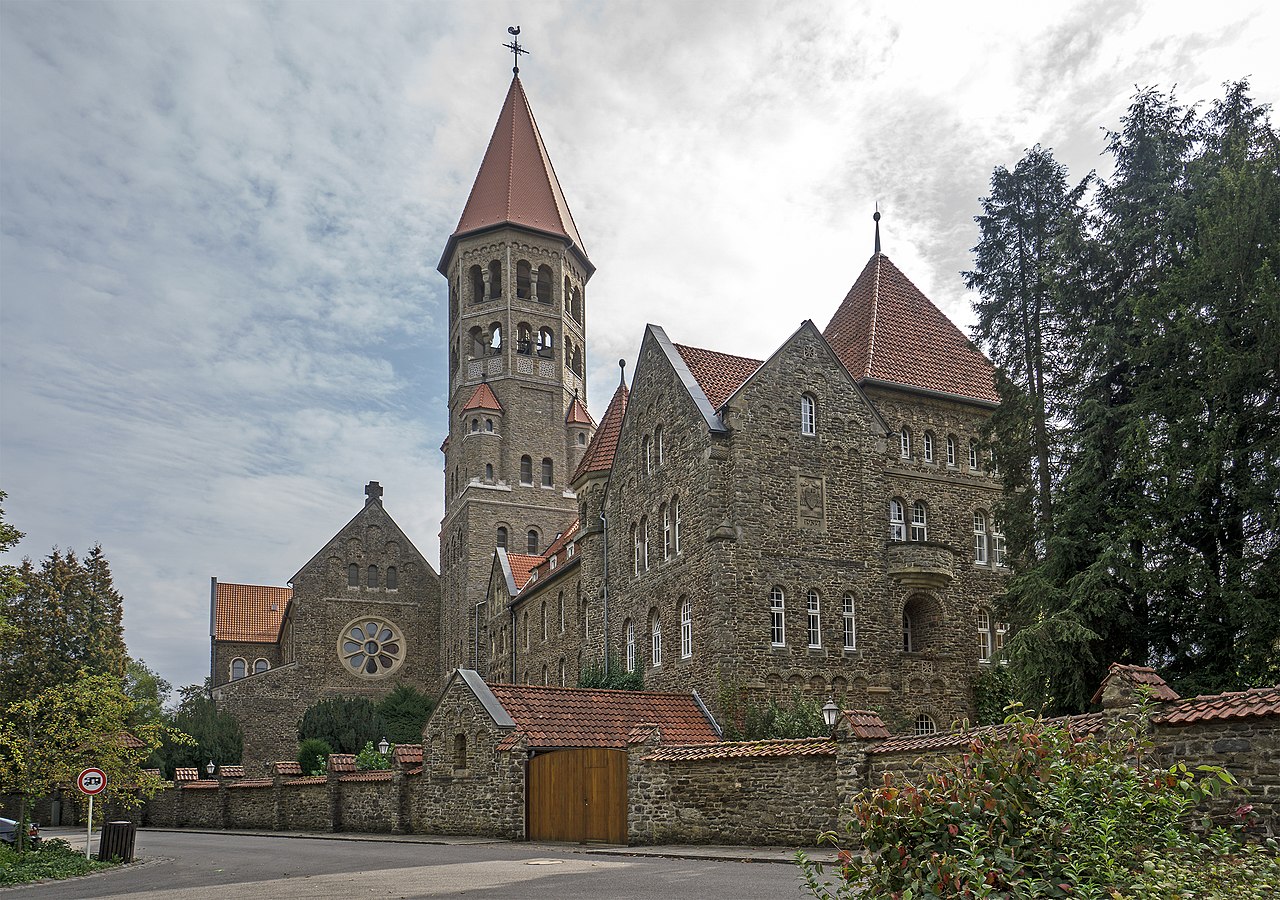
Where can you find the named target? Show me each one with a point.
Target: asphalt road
(190, 866)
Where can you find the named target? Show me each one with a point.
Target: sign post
(92, 782)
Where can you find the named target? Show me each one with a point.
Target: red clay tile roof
(718, 374)
(375, 775)
(746, 749)
(516, 183)
(522, 565)
(1089, 723)
(249, 612)
(886, 329)
(406, 754)
(129, 741)
(414, 771)
(865, 724)
(483, 398)
(185, 774)
(1261, 702)
(577, 413)
(342, 762)
(230, 771)
(305, 780)
(555, 551)
(201, 785)
(584, 717)
(252, 783)
(286, 767)
(1137, 675)
(604, 443)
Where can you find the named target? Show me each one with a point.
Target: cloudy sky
(219, 311)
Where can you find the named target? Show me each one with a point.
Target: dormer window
(808, 414)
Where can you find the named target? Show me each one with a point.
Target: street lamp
(830, 713)
(383, 746)
(209, 768)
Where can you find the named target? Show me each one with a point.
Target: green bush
(744, 720)
(1038, 811)
(313, 756)
(617, 677)
(405, 710)
(53, 859)
(345, 723)
(369, 758)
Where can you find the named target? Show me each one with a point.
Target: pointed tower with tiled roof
(517, 271)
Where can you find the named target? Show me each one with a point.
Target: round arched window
(371, 647)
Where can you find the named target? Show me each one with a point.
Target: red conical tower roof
(482, 398)
(599, 454)
(887, 330)
(516, 184)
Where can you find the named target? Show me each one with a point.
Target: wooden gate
(578, 795)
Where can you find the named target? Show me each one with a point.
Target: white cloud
(219, 225)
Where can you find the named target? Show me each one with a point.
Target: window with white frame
(777, 617)
(919, 521)
(928, 446)
(986, 636)
(973, 455)
(951, 450)
(686, 629)
(998, 549)
(635, 551)
(560, 600)
(812, 602)
(808, 414)
(655, 632)
(239, 668)
(544, 620)
(897, 521)
(925, 725)
(630, 630)
(850, 624)
(980, 538)
(904, 443)
(657, 444)
(260, 665)
(666, 531)
(644, 542)
(548, 472)
(526, 470)
(646, 454)
(675, 521)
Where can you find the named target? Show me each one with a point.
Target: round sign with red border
(91, 781)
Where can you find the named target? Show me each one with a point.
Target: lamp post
(831, 714)
(383, 746)
(210, 768)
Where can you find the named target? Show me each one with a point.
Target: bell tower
(518, 426)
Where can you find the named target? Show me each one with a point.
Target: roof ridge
(875, 314)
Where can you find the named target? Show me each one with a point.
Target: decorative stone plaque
(811, 503)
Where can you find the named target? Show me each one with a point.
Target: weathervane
(515, 47)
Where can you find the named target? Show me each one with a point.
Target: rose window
(371, 646)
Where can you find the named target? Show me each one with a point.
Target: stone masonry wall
(305, 807)
(368, 805)
(252, 805)
(1248, 749)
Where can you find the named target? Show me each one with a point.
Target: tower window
(393, 578)
(546, 343)
(488, 425)
(488, 471)
(897, 521)
(777, 617)
(548, 472)
(568, 307)
(576, 312)
(523, 279)
(582, 438)
(526, 470)
(544, 620)
(808, 414)
(919, 521)
(524, 339)
(459, 751)
(260, 665)
(239, 668)
(501, 538)
(373, 577)
(475, 425)
(477, 284)
(544, 284)
(495, 281)
(532, 538)
(980, 538)
(353, 575)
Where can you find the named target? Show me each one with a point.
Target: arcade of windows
(813, 620)
(240, 667)
(390, 580)
(929, 442)
(669, 516)
(655, 635)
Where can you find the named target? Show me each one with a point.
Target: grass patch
(54, 859)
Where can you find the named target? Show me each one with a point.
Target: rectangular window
(897, 521)
(686, 629)
(980, 538)
(635, 553)
(928, 446)
(973, 455)
(631, 646)
(951, 451)
(919, 522)
(657, 642)
(675, 515)
(904, 442)
(666, 532)
(815, 621)
(998, 547)
(850, 632)
(777, 623)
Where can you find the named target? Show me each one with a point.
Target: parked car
(9, 833)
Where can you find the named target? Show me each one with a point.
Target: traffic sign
(91, 781)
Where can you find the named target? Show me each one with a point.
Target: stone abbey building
(820, 520)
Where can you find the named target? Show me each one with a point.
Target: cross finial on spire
(373, 492)
(515, 48)
(876, 218)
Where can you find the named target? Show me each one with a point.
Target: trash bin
(116, 841)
